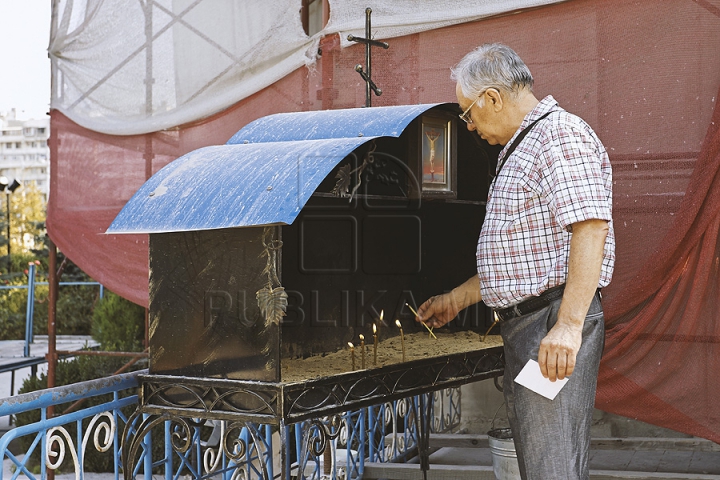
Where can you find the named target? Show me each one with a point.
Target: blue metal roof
(263, 176)
(315, 125)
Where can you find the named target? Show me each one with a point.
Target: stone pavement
(8, 473)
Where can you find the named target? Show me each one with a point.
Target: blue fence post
(168, 452)
(30, 310)
(147, 459)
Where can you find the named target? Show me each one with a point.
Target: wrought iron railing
(50, 436)
(203, 449)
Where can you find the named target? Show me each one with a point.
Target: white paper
(530, 377)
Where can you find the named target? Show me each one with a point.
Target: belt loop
(517, 311)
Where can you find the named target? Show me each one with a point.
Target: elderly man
(546, 247)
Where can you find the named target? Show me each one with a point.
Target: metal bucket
(504, 458)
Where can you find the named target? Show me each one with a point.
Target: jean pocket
(593, 321)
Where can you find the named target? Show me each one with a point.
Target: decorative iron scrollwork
(317, 438)
(345, 174)
(57, 437)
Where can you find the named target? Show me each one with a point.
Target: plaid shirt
(558, 175)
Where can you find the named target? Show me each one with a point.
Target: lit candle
(352, 354)
(375, 344)
(381, 316)
(402, 338)
(362, 351)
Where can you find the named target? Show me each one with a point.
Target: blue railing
(215, 449)
(50, 436)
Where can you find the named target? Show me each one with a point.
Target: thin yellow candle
(402, 338)
(429, 329)
(375, 344)
(362, 351)
(352, 354)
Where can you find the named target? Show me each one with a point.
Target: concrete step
(407, 471)
(465, 456)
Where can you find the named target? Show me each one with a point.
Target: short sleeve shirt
(558, 175)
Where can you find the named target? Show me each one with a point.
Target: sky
(24, 64)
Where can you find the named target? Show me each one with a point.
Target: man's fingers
(570, 365)
(552, 361)
(542, 361)
(422, 309)
(561, 365)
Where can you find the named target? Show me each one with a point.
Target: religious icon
(435, 154)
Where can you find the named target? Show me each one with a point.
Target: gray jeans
(552, 437)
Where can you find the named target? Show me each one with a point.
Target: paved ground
(7, 474)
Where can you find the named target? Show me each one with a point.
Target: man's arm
(559, 349)
(440, 309)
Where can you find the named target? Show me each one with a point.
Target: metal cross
(366, 74)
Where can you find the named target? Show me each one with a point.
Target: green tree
(29, 245)
(27, 225)
(118, 324)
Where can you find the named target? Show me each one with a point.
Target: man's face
(481, 115)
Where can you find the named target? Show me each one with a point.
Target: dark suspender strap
(516, 142)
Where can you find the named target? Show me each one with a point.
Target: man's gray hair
(492, 65)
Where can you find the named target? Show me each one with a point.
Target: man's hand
(438, 310)
(559, 349)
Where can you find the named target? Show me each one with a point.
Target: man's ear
(495, 99)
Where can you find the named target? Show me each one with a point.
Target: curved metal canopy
(315, 125)
(263, 176)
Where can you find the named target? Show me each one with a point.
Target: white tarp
(127, 67)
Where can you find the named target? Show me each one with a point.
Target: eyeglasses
(465, 116)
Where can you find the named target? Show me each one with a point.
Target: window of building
(18, 145)
(41, 130)
(314, 15)
(8, 145)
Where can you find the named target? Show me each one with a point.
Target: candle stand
(286, 244)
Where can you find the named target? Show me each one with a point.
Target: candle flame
(397, 322)
(382, 312)
(351, 345)
(362, 337)
(375, 328)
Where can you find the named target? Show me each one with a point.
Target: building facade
(24, 151)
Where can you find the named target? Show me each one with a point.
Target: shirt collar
(545, 105)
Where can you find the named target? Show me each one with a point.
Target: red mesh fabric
(646, 77)
(663, 349)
